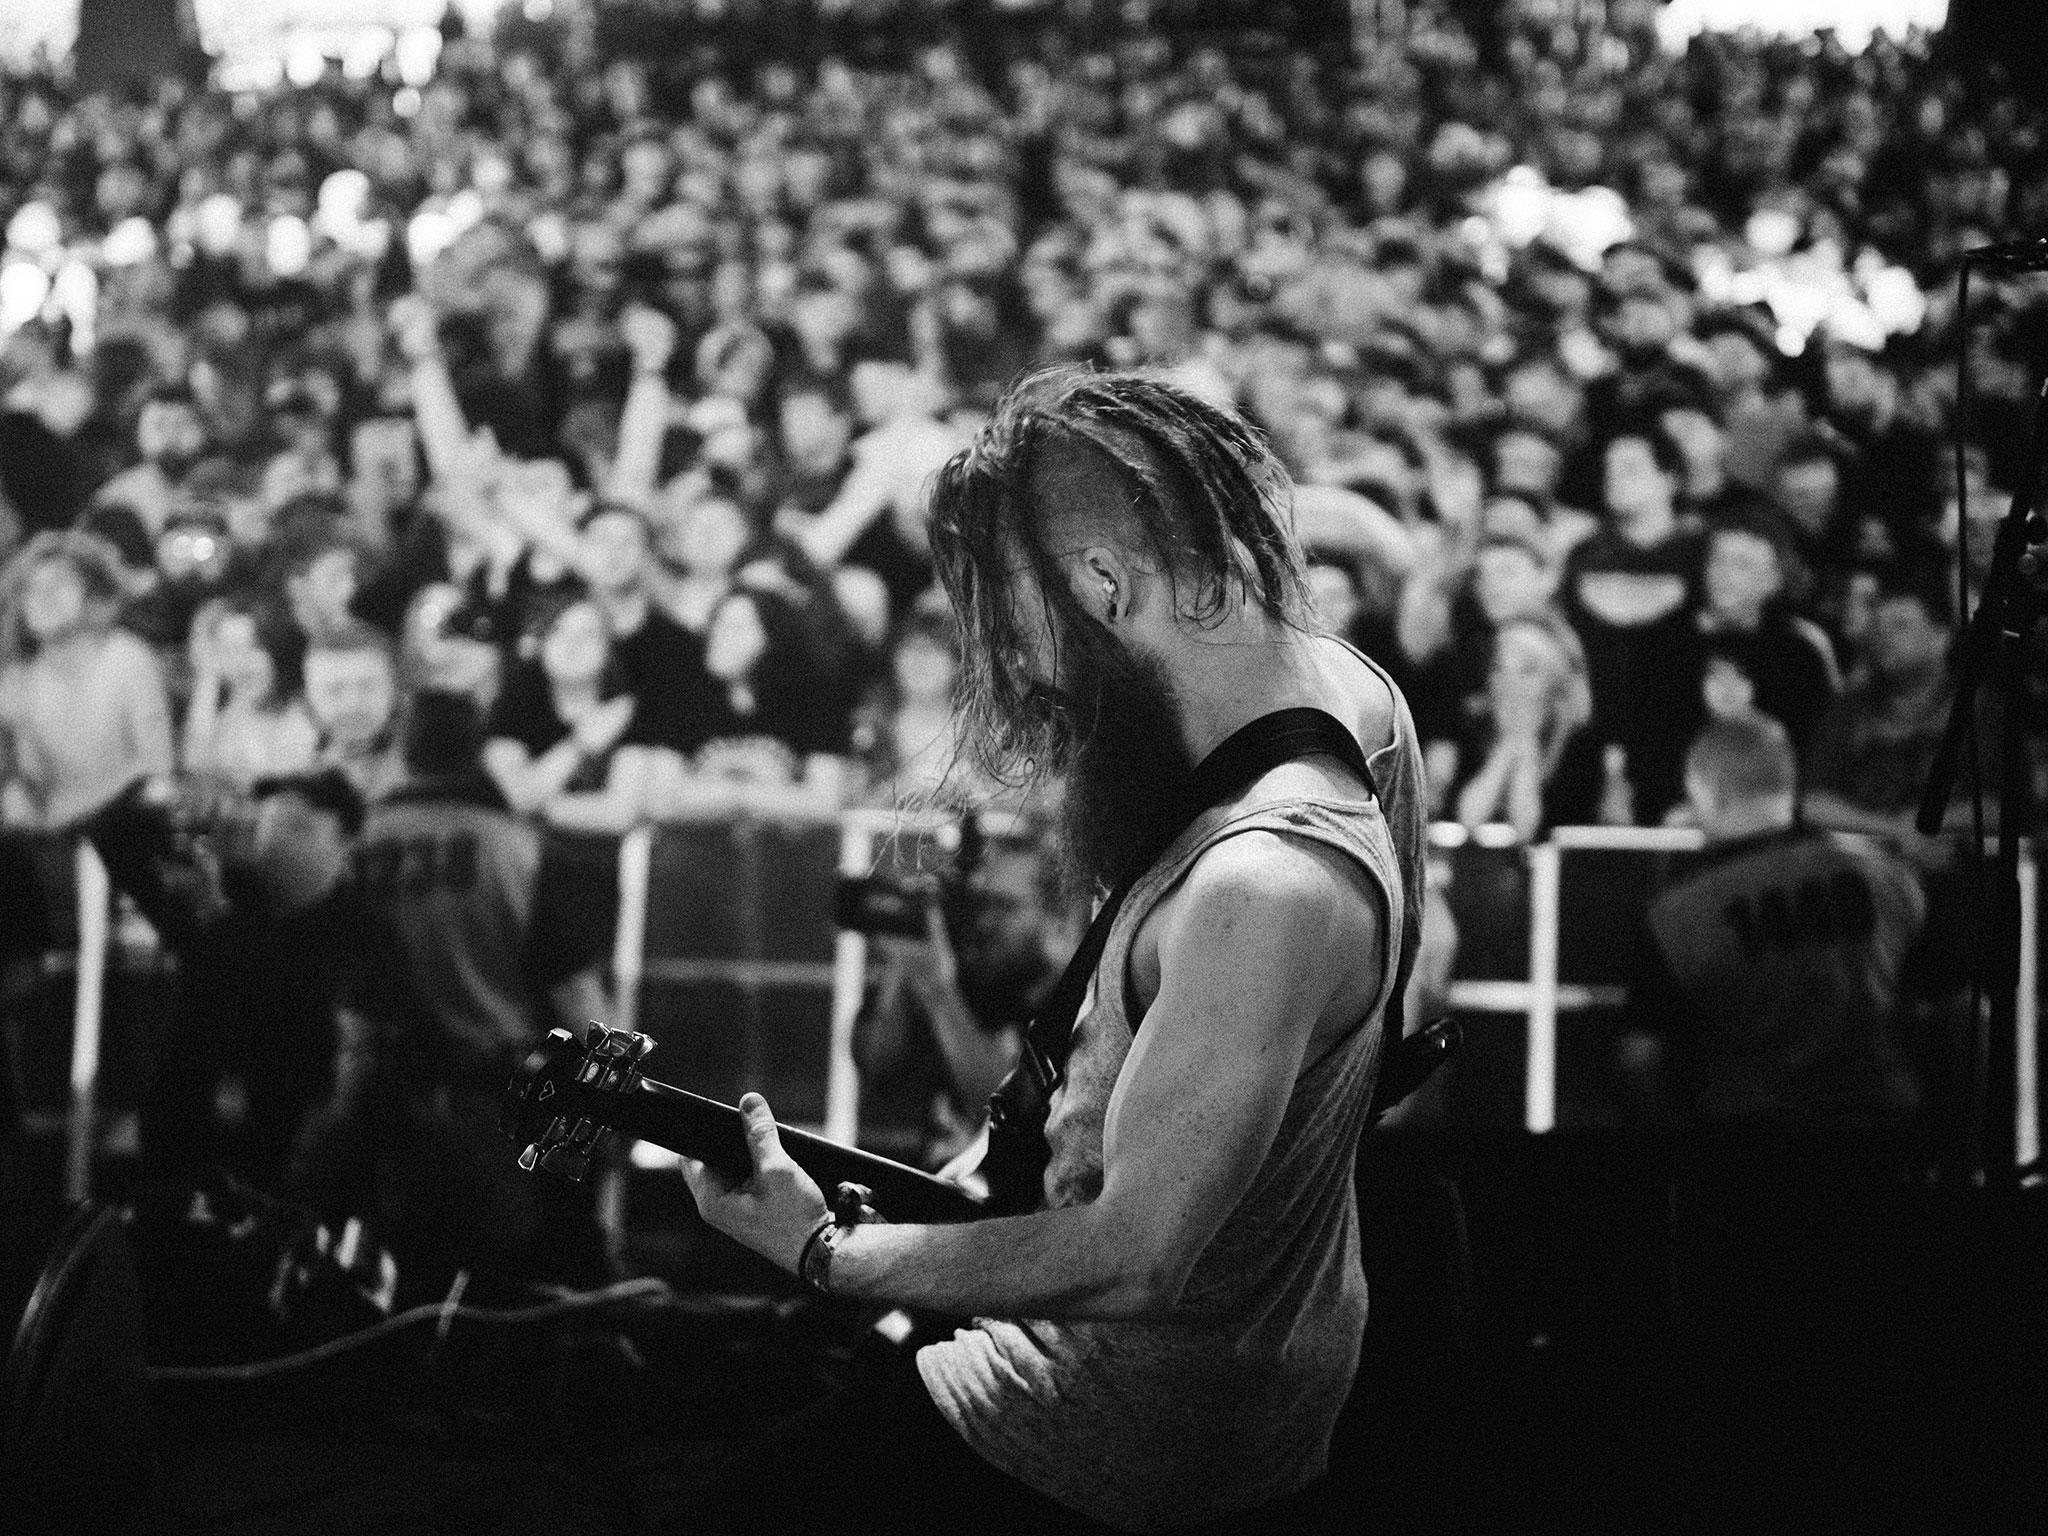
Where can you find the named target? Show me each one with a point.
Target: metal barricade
(1539, 945)
(1534, 946)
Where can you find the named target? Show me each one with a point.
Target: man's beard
(1127, 766)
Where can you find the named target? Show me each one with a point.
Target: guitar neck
(712, 1132)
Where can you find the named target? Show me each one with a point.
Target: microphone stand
(1993, 646)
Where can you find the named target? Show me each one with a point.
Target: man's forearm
(977, 1060)
(1081, 1261)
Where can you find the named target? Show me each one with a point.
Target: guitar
(570, 1094)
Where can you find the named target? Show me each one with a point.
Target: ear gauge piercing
(1109, 597)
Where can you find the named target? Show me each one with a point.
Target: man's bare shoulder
(1285, 914)
(1305, 892)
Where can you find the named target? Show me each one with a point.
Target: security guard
(1767, 1001)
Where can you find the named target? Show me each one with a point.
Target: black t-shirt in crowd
(676, 703)
(525, 712)
(1632, 606)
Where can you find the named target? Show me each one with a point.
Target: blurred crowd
(1619, 389)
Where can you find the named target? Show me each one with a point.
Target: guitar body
(569, 1094)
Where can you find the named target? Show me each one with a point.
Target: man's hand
(928, 966)
(597, 732)
(650, 336)
(774, 1209)
(416, 326)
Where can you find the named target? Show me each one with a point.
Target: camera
(895, 905)
(189, 851)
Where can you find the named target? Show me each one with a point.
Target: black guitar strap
(1249, 752)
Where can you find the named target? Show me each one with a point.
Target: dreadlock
(1209, 501)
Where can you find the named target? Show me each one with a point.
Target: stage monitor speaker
(77, 1444)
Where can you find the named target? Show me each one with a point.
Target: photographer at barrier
(966, 960)
(251, 892)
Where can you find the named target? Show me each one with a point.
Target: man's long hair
(1208, 500)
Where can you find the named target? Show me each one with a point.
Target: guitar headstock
(555, 1105)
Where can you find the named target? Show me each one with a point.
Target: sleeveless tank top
(1228, 1401)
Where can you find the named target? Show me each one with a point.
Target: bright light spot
(77, 293)
(428, 235)
(364, 53)
(219, 224)
(465, 209)
(1853, 21)
(1771, 232)
(406, 103)
(129, 243)
(1896, 300)
(35, 229)
(419, 49)
(343, 196)
(287, 246)
(538, 10)
(549, 233)
(1853, 323)
(369, 239)
(251, 72)
(1584, 224)
(305, 64)
(1791, 341)
(1521, 205)
(24, 287)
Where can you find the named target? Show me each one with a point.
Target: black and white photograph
(850, 767)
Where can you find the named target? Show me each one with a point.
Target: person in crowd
(877, 518)
(561, 741)
(244, 719)
(1511, 577)
(450, 644)
(1806, 489)
(322, 573)
(170, 438)
(1745, 619)
(660, 661)
(785, 728)
(1893, 456)
(1630, 591)
(1532, 762)
(1871, 750)
(83, 708)
(906, 734)
(352, 695)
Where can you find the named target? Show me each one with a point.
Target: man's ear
(1102, 583)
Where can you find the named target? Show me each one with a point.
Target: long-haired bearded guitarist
(1168, 1336)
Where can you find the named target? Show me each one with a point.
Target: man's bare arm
(1262, 939)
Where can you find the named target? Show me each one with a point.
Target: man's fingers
(762, 1140)
(698, 1178)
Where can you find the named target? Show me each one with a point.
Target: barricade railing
(1549, 992)
(1545, 996)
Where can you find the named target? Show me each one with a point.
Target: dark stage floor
(1534, 1391)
